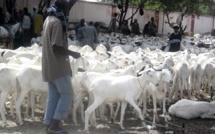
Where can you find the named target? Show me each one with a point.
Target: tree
(185, 7)
(10, 4)
(43, 4)
(123, 6)
(46, 3)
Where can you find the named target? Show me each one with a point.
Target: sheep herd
(122, 70)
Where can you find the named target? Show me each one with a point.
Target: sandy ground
(131, 124)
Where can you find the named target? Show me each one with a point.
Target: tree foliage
(185, 7)
(10, 4)
(123, 6)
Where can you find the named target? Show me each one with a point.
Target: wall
(93, 11)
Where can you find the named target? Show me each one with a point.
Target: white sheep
(158, 93)
(7, 86)
(28, 79)
(88, 79)
(124, 89)
(180, 80)
(189, 109)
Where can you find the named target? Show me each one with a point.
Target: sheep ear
(109, 54)
(148, 72)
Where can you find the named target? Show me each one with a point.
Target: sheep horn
(2, 53)
(143, 68)
(156, 69)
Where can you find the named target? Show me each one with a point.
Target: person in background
(15, 17)
(20, 16)
(112, 26)
(79, 25)
(38, 23)
(89, 35)
(56, 70)
(124, 28)
(152, 28)
(97, 26)
(2, 17)
(8, 16)
(26, 24)
(146, 29)
(35, 11)
(175, 40)
(135, 27)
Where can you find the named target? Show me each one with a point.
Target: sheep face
(166, 76)
(150, 76)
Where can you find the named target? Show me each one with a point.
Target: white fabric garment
(26, 24)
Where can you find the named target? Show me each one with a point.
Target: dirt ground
(131, 124)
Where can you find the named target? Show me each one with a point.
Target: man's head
(152, 19)
(176, 28)
(35, 8)
(135, 20)
(82, 22)
(115, 14)
(91, 23)
(65, 5)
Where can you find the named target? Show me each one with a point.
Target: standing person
(89, 35)
(2, 17)
(15, 18)
(124, 28)
(152, 27)
(8, 16)
(135, 27)
(79, 25)
(146, 29)
(38, 23)
(112, 26)
(56, 66)
(35, 11)
(20, 16)
(26, 24)
(175, 40)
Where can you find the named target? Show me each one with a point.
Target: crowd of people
(32, 24)
(149, 30)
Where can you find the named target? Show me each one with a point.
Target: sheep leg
(2, 109)
(12, 105)
(123, 107)
(98, 101)
(174, 89)
(76, 104)
(111, 111)
(18, 105)
(82, 111)
(132, 103)
(164, 111)
(198, 89)
(208, 115)
(117, 109)
(144, 103)
(101, 110)
(32, 105)
(28, 104)
(154, 112)
(182, 88)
